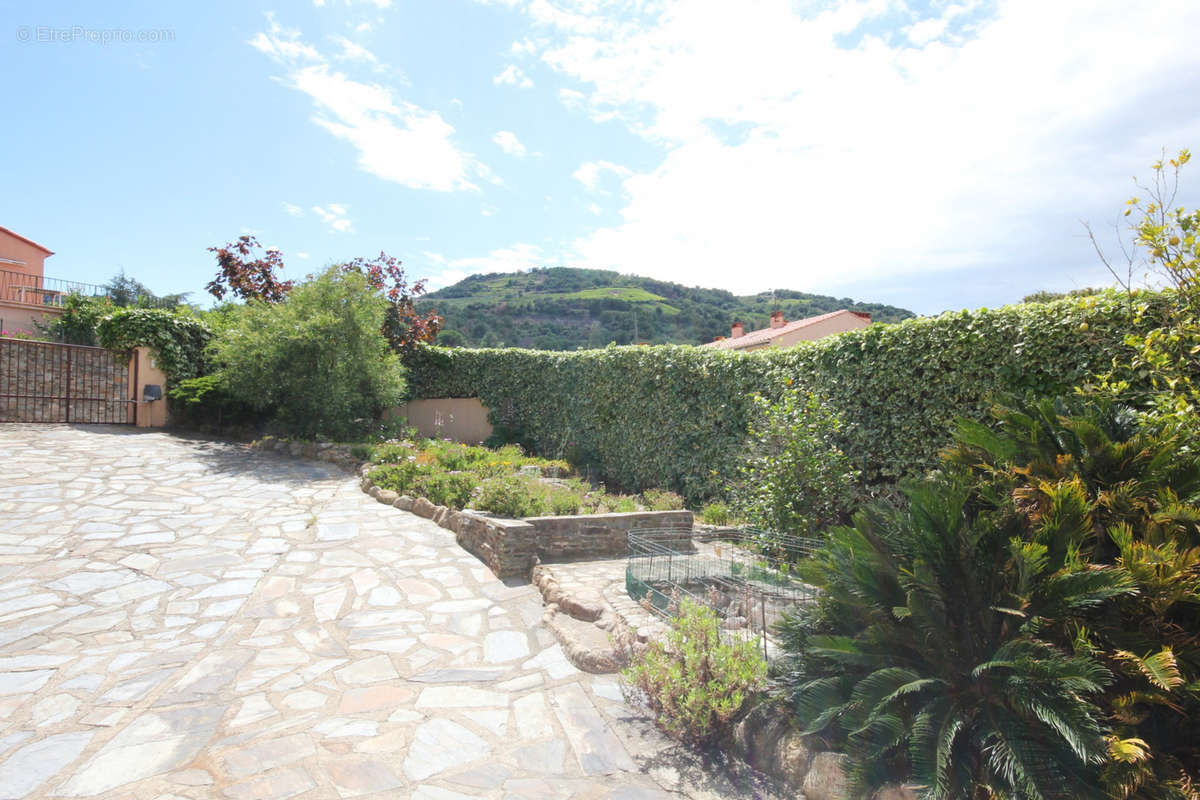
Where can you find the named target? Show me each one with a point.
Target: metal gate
(50, 382)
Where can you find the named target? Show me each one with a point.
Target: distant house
(23, 292)
(782, 333)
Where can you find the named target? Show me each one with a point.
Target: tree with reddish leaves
(247, 274)
(404, 327)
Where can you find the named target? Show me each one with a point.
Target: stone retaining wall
(511, 547)
(602, 535)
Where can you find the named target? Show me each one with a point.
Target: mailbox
(151, 392)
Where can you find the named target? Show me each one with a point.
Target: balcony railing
(36, 290)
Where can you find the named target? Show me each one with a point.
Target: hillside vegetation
(559, 308)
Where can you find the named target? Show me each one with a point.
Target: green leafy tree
(126, 291)
(77, 322)
(316, 360)
(795, 478)
(1166, 243)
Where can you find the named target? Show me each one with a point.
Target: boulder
(826, 778)
(404, 503)
(423, 508)
(387, 497)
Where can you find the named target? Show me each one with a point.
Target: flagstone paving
(189, 619)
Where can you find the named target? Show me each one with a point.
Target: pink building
(25, 296)
(782, 333)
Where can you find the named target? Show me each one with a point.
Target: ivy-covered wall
(675, 416)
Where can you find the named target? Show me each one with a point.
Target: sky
(931, 155)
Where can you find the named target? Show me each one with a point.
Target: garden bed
(512, 510)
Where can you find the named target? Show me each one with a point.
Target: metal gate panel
(50, 382)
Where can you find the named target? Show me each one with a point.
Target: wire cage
(746, 576)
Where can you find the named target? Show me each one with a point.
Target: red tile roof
(16, 235)
(768, 335)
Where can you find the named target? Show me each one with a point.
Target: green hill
(559, 308)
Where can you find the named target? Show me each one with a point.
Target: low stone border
(511, 547)
(339, 454)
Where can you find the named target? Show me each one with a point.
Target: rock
(387, 496)
(766, 740)
(439, 514)
(404, 503)
(894, 792)
(586, 646)
(733, 623)
(451, 521)
(422, 507)
(826, 780)
(583, 604)
(374, 491)
(792, 758)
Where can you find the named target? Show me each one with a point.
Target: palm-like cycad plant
(926, 654)
(1141, 485)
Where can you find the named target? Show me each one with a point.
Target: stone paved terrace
(188, 619)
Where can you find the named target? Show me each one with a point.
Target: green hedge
(675, 416)
(177, 340)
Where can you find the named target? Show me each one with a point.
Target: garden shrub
(400, 476)
(1036, 603)
(716, 513)
(1141, 488)
(509, 496)
(693, 682)
(451, 489)
(204, 401)
(77, 323)
(316, 361)
(676, 416)
(795, 479)
(662, 500)
(563, 502)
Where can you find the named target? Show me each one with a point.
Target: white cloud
(525, 47)
(571, 98)
(293, 210)
(334, 215)
(283, 44)
(590, 173)
(505, 259)
(509, 143)
(512, 75)
(861, 141)
(352, 51)
(303, 256)
(396, 140)
(594, 208)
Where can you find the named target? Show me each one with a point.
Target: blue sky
(932, 155)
